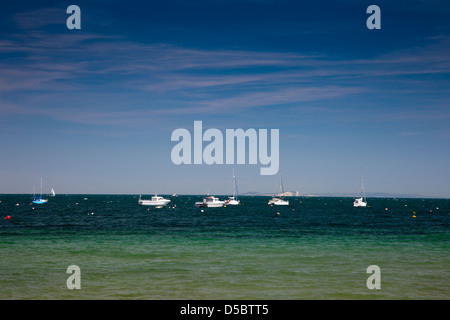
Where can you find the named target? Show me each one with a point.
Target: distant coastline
(343, 195)
(262, 194)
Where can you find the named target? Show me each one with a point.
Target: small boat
(361, 202)
(53, 193)
(38, 200)
(155, 201)
(278, 200)
(234, 199)
(210, 202)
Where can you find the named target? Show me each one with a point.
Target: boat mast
(235, 191)
(363, 192)
(281, 185)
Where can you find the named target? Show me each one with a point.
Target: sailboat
(234, 199)
(278, 201)
(38, 200)
(53, 193)
(361, 202)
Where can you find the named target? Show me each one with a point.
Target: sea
(316, 248)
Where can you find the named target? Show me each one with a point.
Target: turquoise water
(317, 248)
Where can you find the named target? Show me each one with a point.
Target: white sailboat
(53, 193)
(155, 201)
(38, 200)
(361, 202)
(234, 199)
(278, 201)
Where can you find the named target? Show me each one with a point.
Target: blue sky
(92, 110)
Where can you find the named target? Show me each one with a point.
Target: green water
(317, 248)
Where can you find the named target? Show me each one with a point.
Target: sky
(92, 110)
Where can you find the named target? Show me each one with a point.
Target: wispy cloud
(178, 80)
(37, 19)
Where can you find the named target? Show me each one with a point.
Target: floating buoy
(201, 210)
(278, 213)
(414, 214)
(385, 208)
(7, 217)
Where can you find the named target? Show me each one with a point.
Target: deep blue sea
(316, 248)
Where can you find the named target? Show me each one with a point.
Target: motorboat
(155, 201)
(210, 202)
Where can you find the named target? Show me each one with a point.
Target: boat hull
(209, 205)
(278, 202)
(39, 201)
(359, 203)
(154, 203)
(232, 201)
